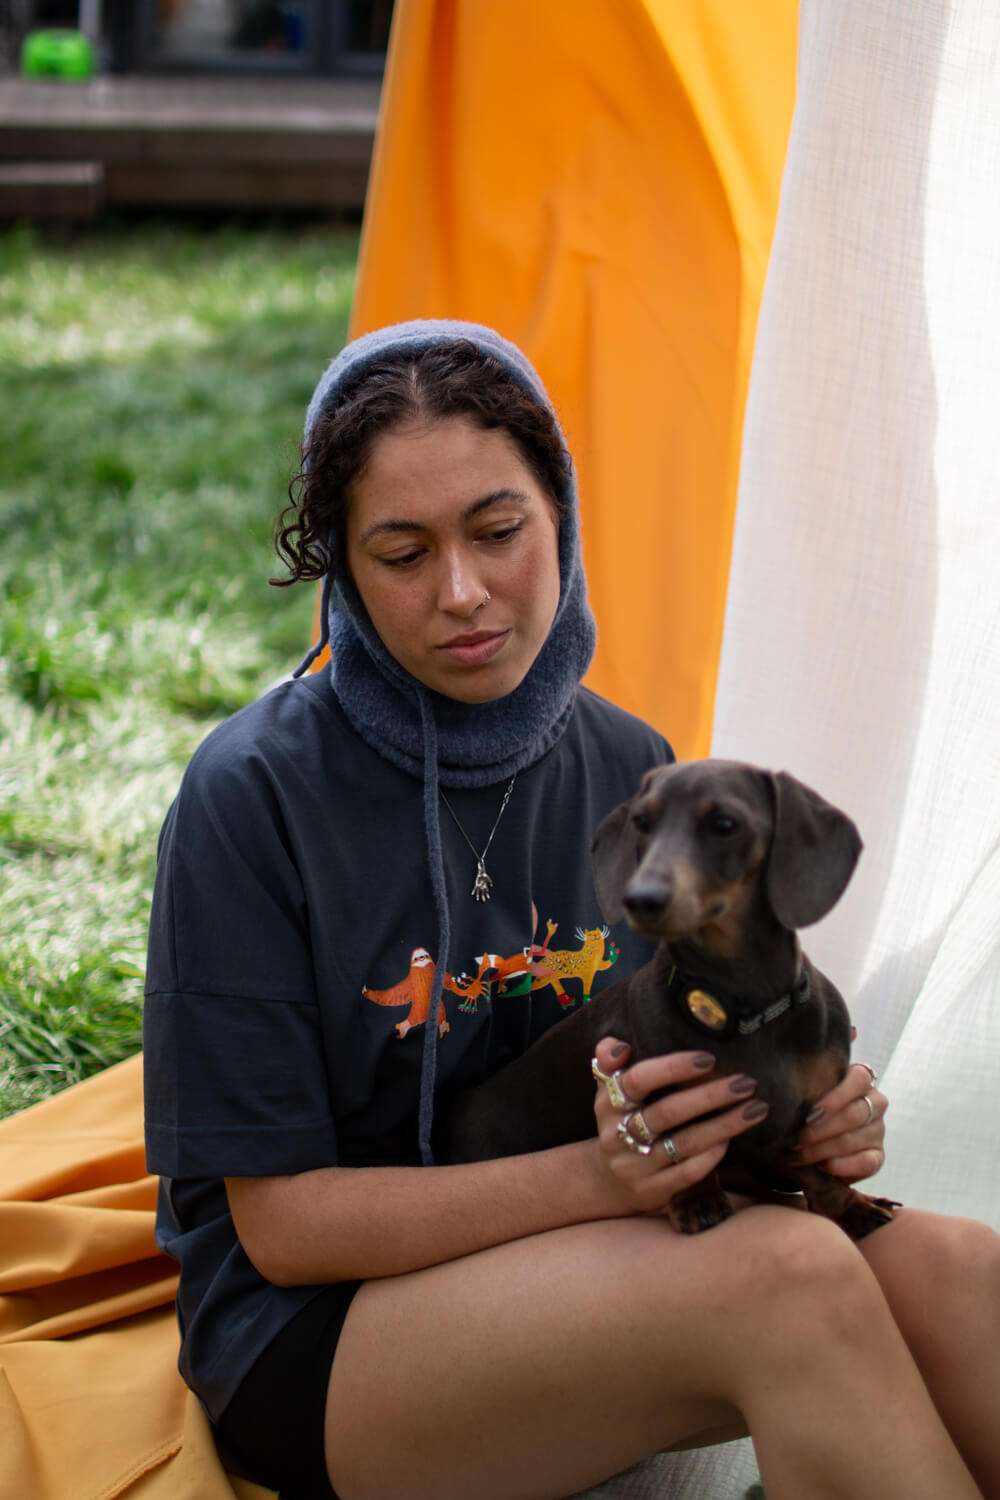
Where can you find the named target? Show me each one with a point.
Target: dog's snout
(647, 899)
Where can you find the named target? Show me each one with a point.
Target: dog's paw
(692, 1213)
(863, 1215)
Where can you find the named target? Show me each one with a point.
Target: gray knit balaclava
(445, 742)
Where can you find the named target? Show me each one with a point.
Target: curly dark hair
(446, 380)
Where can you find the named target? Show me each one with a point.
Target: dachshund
(720, 863)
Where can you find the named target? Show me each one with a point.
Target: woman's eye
(401, 560)
(503, 534)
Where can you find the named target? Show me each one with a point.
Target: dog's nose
(647, 899)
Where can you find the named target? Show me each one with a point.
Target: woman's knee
(798, 1253)
(760, 1297)
(924, 1256)
(771, 1274)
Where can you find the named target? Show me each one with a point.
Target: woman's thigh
(541, 1366)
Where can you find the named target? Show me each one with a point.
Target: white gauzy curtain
(862, 641)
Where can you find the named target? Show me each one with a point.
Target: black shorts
(274, 1424)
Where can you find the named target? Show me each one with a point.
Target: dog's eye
(722, 824)
(642, 821)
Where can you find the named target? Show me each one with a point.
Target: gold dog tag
(706, 1009)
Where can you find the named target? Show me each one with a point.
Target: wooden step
(51, 189)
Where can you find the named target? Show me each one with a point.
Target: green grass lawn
(153, 382)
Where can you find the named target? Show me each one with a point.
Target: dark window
(266, 36)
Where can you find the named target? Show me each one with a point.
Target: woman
(374, 884)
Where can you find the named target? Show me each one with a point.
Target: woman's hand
(645, 1181)
(846, 1132)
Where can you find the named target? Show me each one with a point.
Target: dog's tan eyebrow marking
(703, 809)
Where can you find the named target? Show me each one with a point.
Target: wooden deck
(227, 143)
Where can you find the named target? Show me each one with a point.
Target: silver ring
(672, 1151)
(871, 1073)
(624, 1134)
(613, 1083)
(871, 1112)
(635, 1124)
(484, 600)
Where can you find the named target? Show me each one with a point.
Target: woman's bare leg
(941, 1279)
(537, 1368)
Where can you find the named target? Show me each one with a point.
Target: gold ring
(636, 1126)
(613, 1083)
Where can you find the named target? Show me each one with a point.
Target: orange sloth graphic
(415, 992)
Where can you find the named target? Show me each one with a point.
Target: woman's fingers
(650, 1189)
(851, 1114)
(656, 1150)
(626, 1086)
(672, 1142)
(857, 1084)
(852, 1166)
(846, 1133)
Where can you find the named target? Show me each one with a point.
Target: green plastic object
(57, 54)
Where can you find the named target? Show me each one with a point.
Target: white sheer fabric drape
(862, 641)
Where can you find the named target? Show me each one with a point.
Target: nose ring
(485, 599)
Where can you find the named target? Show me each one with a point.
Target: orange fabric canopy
(600, 183)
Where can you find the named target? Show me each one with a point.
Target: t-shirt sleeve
(235, 1076)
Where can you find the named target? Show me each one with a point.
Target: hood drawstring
(435, 861)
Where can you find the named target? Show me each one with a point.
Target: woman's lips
(474, 650)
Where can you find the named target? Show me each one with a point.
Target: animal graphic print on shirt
(535, 966)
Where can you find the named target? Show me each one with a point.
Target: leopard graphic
(584, 963)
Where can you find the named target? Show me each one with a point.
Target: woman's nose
(461, 589)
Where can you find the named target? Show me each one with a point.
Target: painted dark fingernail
(815, 1114)
(743, 1085)
(703, 1061)
(618, 1049)
(755, 1111)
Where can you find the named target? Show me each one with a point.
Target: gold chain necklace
(482, 885)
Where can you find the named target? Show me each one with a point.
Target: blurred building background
(217, 105)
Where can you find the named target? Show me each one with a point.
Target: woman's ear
(814, 850)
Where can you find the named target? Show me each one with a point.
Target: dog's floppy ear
(612, 856)
(813, 853)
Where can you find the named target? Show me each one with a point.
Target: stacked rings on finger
(641, 1148)
(672, 1151)
(613, 1083)
(635, 1124)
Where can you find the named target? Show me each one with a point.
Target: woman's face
(444, 514)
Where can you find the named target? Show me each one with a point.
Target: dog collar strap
(796, 995)
(712, 1013)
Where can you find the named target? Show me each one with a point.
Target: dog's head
(685, 852)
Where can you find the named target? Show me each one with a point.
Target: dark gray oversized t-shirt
(291, 953)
